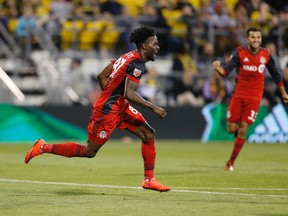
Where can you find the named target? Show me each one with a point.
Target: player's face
(254, 40)
(152, 47)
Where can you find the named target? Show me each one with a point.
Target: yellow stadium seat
(42, 11)
(103, 32)
(69, 33)
(230, 5)
(12, 24)
(109, 36)
(195, 3)
(134, 7)
(89, 36)
(178, 28)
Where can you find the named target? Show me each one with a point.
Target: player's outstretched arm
(131, 94)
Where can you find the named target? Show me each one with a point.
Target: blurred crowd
(192, 33)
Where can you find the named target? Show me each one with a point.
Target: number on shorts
(253, 115)
(133, 110)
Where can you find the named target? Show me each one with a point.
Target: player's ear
(144, 46)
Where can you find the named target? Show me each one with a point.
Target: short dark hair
(140, 35)
(252, 29)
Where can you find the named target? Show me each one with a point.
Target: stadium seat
(42, 11)
(90, 34)
(195, 3)
(133, 6)
(69, 33)
(109, 36)
(102, 32)
(178, 28)
(12, 24)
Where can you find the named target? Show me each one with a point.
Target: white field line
(250, 189)
(177, 191)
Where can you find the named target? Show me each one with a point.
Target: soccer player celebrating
(119, 81)
(250, 62)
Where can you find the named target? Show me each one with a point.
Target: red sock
(65, 149)
(149, 155)
(238, 144)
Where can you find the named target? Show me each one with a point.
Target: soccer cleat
(153, 184)
(229, 166)
(35, 150)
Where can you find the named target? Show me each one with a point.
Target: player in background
(119, 81)
(250, 63)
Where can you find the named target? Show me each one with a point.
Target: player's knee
(90, 154)
(232, 128)
(145, 132)
(150, 135)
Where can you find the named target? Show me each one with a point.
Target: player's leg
(233, 118)
(238, 144)
(148, 149)
(147, 134)
(68, 149)
(72, 149)
(233, 127)
(248, 117)
(135, 123)
(97, 137)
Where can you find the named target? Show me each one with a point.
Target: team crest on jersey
(262, 60)
(102, 134)
(137, 72)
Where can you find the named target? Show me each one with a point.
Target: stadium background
(39, 60)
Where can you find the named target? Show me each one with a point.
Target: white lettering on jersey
(254, 68)
(130, 54)
(250, 68)
(118, 63)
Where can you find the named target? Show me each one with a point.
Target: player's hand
(285, 98)
(217, 68)
(216, 64)
(159, 111)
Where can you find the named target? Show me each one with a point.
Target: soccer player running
(119, 81)
(250, 62)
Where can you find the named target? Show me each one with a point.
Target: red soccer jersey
(129, 65)
(250, 69)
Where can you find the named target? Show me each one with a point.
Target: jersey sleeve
(135, 70)
(274, 72)
(232, 63)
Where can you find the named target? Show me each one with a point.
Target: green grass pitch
(110, 183)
